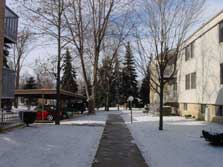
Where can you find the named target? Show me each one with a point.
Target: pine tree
(30, 83)
(105, 75)
(116, 83)
(69, 75)
(145, 88)
(129, 82)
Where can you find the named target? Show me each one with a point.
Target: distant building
(170, 90)
(200, 72)
(8, 37)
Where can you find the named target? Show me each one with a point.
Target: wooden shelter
(48, 94)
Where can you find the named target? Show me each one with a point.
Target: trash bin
(28, 117)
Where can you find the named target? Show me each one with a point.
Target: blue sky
(212, 8)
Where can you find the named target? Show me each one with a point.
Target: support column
(2, 27)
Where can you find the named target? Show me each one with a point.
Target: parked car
(48, 112)
(76, 107)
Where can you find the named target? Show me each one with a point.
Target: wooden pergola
(48, 94)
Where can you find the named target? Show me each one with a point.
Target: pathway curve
(117, 147)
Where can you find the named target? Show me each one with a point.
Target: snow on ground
(97, 120)
(22, 108)
(48, 145)
(179, 145)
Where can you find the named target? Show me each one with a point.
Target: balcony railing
(11, 25)
(8, 85)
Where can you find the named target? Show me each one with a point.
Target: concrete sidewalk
(117, 147)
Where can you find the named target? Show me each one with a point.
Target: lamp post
(130, 99)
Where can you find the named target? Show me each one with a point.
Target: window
(203, 108)
(174, 86)
(187, 83)
(219, 111)
(193, 80)
(185, 107)
(189, 51)
(221, 32)
(192, 49)
(190, 81)
(221, 73)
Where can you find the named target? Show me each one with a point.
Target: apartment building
(170, 90)
(200, 72)
(8, 37)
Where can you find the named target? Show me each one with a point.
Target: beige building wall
(2, 16)
(195, 111)
(208, 55)
(192, 109)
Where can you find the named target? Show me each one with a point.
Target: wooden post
(131, 110)
(42, 105)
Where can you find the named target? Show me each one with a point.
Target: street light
(130, 99)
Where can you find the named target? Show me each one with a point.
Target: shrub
(146, 109)
(166, 111)
(28, 117)
(188, 116)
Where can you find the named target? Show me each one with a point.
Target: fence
(9, 118)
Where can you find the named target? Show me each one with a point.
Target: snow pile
(52, 146)
(22, 108)
(179, 145)
(99, 120)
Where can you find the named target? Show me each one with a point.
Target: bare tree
(21, 51)
(168, 23)
(77, 24)
(45, 73)
(90, 25)
(47, 19)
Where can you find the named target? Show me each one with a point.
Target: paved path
(117, 148)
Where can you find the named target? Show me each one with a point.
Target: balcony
(170, 98)
(11, 26)
(8, 85)
(170, 94)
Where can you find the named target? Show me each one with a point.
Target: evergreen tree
(105, 75)
(129, 82)
(116, 83)
(145, 88)
(69, 75)
(30, 83)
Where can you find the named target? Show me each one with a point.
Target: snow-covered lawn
(179, 145)
(48, 145)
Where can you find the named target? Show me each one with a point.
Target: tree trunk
(17, 82)
(107, 105)
(87, 84)
(94, 87)
(161, 105)
(107, 96)
(107, 102)
(57, 120)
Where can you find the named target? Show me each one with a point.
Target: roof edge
(203, 25)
